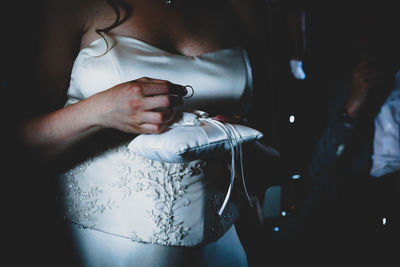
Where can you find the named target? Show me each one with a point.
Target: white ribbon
(235, 143)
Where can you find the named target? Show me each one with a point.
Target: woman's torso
(143, 200)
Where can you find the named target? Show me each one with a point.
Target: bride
(130, 67)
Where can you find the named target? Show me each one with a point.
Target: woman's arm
(128, 107)
(43, 75)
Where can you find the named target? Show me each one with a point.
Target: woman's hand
(141, 106)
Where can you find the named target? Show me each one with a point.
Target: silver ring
(186, 87)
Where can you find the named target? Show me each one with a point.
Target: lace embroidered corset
(145, 200)
(121, 193)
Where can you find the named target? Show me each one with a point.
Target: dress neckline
(154, 47)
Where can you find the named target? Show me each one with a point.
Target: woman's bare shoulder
(78, 17)
(78, 12)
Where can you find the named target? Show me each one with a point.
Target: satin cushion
(189, 140)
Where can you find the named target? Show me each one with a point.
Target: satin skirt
(97, 249)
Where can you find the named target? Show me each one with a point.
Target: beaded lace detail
(84, 204)
(162, 183)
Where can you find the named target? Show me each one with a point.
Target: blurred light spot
(340, 149)
(384, 221)
(295, 176)
(291, 119)
(283, 213)
(276, 229)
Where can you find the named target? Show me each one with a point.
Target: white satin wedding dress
(125, 210)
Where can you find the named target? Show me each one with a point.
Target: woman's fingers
(141, 106)
(153, 128)
(160, 117)
(161, 101)
(162, 88)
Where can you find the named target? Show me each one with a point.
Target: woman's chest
(185, 31)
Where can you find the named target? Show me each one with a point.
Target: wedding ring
(192, 91)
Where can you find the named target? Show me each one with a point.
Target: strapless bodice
(220, 78)
(123, 194)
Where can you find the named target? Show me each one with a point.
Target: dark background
(32, 232)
